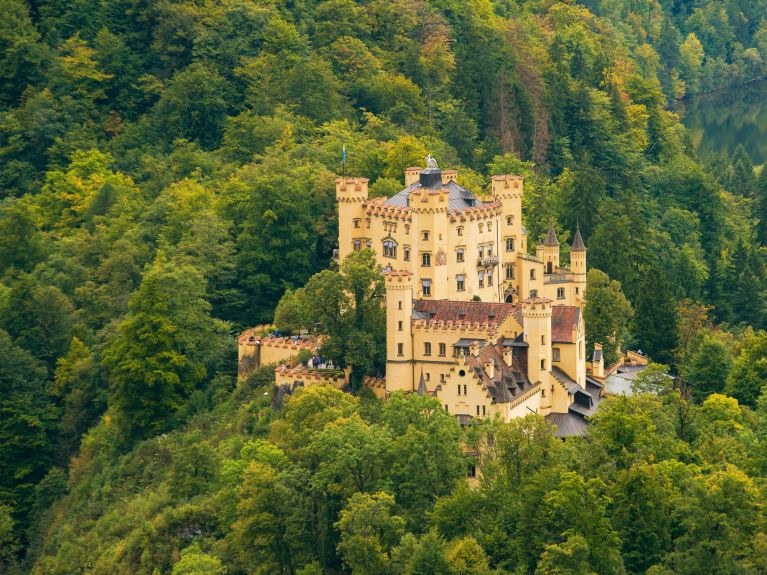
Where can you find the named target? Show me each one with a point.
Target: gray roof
(551, 237)
(568, 424)
(459, 198)
(578, 245)
(422, 385)
(467, 341)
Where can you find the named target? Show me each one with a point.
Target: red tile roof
(563, 319)
(473, 311)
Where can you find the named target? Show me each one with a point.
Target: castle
(457, 246)
(471, 318)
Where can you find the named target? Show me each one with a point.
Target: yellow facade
(457, 246)
(481, 359)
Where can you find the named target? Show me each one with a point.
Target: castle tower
(550, 252)
(508, 191)
(351, 194)
(399, 335)
(536, 318)
(578, 264)
(411, 175)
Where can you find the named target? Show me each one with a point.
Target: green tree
(194, 561)
(26, 430)
(369, 531)
(749, 369)
(163, 350)
(607, 313)
(655, 318)
(707, 367)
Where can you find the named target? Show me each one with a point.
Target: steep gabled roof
(564, 318)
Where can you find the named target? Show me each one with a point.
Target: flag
(343, 153)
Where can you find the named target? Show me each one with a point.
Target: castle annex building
(481, 359)
(456, 245)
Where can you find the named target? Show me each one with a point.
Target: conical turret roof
(422, 386)
(551, 237)
(578, 245)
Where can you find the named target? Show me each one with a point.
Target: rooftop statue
(431, 162)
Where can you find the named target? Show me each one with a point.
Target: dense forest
(167, 173)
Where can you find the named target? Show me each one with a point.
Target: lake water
(719, 122)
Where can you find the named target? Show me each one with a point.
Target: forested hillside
(167, 171)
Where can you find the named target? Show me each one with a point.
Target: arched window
(390, 249)
(459, 229)
(481, 227)
(357, 245)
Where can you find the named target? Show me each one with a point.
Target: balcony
(487, 262)
(557, 278)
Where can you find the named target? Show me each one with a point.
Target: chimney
(508, 356)
(490, 369)
(598, 362)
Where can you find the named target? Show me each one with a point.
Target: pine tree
(760, 207)
(655, 320)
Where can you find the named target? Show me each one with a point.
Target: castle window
(533, 293)
(509, 220)
(489, 250)
(425, 236)
(369, 243)
(472, 471)
(442, 378)
(464, 390)
(407, 228)
(459, 389)
(428, 376)
(357, 223)
(426, 288)
(481, 227)
(483, 410)
(460, 282)
(543, 340)
(400, 349)
(399, 305)
(399, 326)
(459, 230)
(459, 255)
(357, 245)
(510, 271)
(509, 244)
(427, 348)
(532, 274)
(577, 290)
(407, 253)
(489, 278)
(489, 226)
(426, 260)
(390, 249)
(560, 293)
(543, 364)
(555, 354)
(481, 250)
(481, 279)
(477, 410)
(442, 352)
(461, 373)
